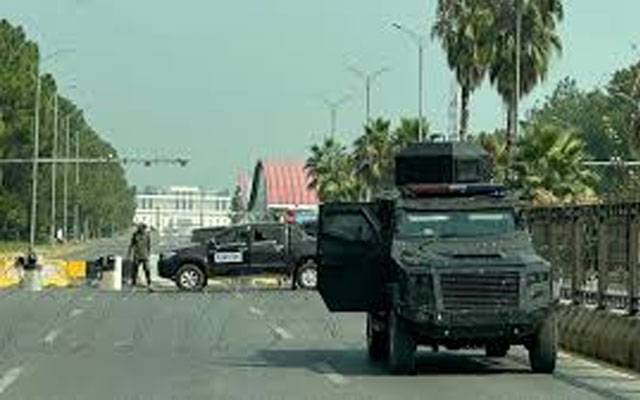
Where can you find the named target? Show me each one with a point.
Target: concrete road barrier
(9, 274)
(112, 276)
(53, 273)
(607, 336)
(76, 269)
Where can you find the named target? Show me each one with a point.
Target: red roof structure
(283, 184)
(287, 183)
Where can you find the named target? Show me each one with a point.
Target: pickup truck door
(230, 256)
(353, 240)
(268, 250)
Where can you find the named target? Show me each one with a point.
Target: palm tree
(464, 28)
(330, 169)
(539, 41)
(373, 155)
(494, 145)
(551, 159)
(407, 133)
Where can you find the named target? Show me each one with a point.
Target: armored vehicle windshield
(452, 224)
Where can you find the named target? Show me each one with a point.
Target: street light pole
(368, 79)
(419, 40)
(76, 205)
(53, 165)
(333, 106)
(34, 174)
(420, 80)
(65, 198)
(36, 149)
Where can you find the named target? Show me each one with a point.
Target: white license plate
(228, 257)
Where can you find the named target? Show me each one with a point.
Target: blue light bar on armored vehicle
(424, 190)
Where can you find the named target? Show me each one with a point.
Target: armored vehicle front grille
(475, 291)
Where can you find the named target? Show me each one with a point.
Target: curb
(601, 334)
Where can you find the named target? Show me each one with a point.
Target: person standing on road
(139, 252)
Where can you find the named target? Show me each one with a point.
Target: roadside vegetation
(106, 200)
(546, 162)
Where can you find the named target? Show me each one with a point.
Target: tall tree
(238, 206)
(551, 158)
(539, 42)
(331, 172)
(408, 132)
(494, 144)
(107, 200)
(373, 156)
(464, 28)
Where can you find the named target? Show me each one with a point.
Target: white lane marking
(76, 312)
(256, 311)
(123, 343)
(51, 336)
(9, 377)
(331, 374)
(281, 332)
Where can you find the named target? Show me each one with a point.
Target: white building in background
(177, 209)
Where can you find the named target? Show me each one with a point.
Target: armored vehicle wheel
(544, 348)
(402, 347)
(190, 278)
(496, 349)
(377, 340)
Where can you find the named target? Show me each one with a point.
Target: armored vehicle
(445, 260)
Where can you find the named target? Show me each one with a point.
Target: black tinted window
(227, 236)
(268, 232)
(349, 227)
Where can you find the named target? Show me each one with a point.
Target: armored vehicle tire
(307, 275)
(377, 341)
(402, 347)
(190, 278)
(496, 349)
(544, 347)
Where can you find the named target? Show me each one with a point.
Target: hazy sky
(228, 82)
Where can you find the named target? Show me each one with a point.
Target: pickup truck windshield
(455, 223)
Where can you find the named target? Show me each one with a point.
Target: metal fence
(593, 250)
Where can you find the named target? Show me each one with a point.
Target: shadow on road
(355, 362)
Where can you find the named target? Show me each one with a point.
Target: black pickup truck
(248, 249)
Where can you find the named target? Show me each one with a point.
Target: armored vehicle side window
(348, 227)
(455, 223)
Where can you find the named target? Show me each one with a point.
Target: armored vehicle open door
(352, 251)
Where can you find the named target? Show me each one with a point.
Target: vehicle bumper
(513, 326)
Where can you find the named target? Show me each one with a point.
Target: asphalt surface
(244, 344)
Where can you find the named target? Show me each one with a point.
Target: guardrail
(591, 246)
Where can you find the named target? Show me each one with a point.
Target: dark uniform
(139, 252)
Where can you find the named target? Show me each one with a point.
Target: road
(244, 344)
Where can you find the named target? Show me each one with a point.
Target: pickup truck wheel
(307, 275)
(377, 340)
(190, 278)
(544, 347)
(496, 350)
(402, 347)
